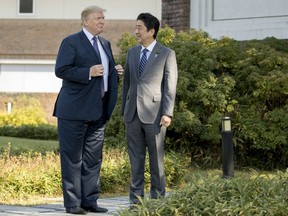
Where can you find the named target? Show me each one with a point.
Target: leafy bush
(244, 80)
(29, 113)
(261, 194)
(115, 172)
(42, 131)
(27, 120)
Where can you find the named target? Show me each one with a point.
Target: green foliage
(126, 42)
(18, 182)
(29, 113)
(115, 172)
(31, 174)
(20, 145)
(27, 120)
(260, 194)
(115, 128)
(261, 115)
(40, 131)
(166, 36)
(244, 80)
(176, 166)
(278, 45)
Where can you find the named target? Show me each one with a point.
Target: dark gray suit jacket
(153, 94)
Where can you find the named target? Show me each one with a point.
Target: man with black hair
(149, 90)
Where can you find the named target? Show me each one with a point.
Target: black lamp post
(227, 148)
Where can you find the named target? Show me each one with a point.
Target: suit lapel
(105, 47)
(136, 59)
(152, 58)
(88, 46)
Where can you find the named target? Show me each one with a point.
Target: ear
(85, 23)
(152, 31)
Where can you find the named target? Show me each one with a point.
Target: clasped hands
(98, 70)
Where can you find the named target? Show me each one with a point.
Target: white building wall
(38, 75)
(28, 76)
(238, 19)
(71, 9)
(241, 19)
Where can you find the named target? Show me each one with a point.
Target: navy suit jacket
(79, 97)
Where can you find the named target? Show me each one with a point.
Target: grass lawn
(18, 145)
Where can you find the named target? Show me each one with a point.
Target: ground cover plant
(31, 177)
(207, 193)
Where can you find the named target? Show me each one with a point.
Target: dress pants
(81, 144)
(139, 137)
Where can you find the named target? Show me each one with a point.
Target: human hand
(165, 121)
(119, 69)
(96, 70)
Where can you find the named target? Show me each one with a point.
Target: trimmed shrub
(42, 131)
(247, 81)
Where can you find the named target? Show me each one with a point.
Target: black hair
(150, 21)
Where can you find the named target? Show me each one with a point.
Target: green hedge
(41, 132)
(247, 81)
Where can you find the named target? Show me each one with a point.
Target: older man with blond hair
(84, 104)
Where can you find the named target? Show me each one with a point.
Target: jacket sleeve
(170, 84)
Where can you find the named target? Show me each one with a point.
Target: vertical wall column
(176, 14)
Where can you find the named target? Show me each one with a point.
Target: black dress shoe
(134, 207)
(95, 208)
(76, 210)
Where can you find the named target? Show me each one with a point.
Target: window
(26, 7)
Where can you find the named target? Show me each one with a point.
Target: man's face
(95, 23)
(143, 36)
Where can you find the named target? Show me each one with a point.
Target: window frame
(26, 14)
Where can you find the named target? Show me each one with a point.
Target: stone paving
(57, 209)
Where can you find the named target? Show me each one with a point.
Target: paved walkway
(57, 208)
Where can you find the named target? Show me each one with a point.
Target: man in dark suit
(85, 102)
(149, 90)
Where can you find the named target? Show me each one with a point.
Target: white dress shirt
(104, 58)
(149, 48)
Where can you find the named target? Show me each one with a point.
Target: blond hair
(88, 10)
